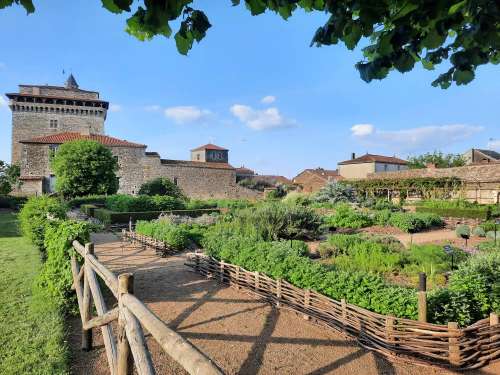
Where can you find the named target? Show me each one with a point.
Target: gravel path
(241, 333)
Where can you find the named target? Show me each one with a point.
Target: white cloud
(3, 102)
(268, 99)
(361, 130)
(414, 139)
(3, 65)
(152, 108)
(494, 144)
(269, 118)
(187, 114)
(115, 107)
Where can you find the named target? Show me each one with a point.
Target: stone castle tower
(45, 110)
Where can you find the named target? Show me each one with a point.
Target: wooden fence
(444, 345)
(131, 316)
(161, 248)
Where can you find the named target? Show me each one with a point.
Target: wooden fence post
(221, 270)
(493, 322)
(344, 312)
(278, 292)
(453, 342)
(422, 297)
(257, 280)
(389, 330)
(307, 301)
(124, 363)
(87, 300)
(237, 278)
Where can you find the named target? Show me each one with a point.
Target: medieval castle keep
(43, 117)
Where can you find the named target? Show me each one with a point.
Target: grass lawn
(31, 326)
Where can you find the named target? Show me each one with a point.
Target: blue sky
(253, 85)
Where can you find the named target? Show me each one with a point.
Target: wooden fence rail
(131, 316)
(445, 345)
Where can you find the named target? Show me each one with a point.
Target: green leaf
(183, 43)
(256, 6)
(456, 7)
(111, 6)
(28, 5)
(353, 35)
(404, 62)
(433, 39)
(427, 64)
(463, 77)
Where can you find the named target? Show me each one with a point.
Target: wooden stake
(257, 280)
(87, 302)
(124, 362)
(221, 271)
(307, 301)
(344, 312)
(454, 348)
(422, 297)
(278, 292)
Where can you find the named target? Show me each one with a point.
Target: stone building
(312, 180)
(44, 117)
(479, 156)
(360, 167)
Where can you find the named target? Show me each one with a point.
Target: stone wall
(27, 124)
(309, 182)
(201, 182)
(130, 171)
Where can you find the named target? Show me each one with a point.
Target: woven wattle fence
(445, 345)
(161, 248)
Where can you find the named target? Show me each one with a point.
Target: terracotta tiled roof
(370, 158)
(197, 164)
(60, 138)
(28, 178)
(209, 146)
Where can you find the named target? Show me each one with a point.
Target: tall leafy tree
(395, 34)
(9, 177)
(437, 158)
(84, 168)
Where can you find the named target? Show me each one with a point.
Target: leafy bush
(255, 184)
(380, 204)
(462, 231)
(473, 291)
(197, 204)
(142, 203)
(280, 260)
(488, 246)
(414, 222)
(491, 235)
(335, 192)
(33, 217)
(7, 201)
(89, 199)
(161, 186)
(84, 167)
(176, 236)
(450, 203)
(347, 217)
(9, 177)
(479, 232)
(473, 213)
(273, 221)
(489, 226)
(277, 193)
(298, 199)
(56, 278)
(382, 217)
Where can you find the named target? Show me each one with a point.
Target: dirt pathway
(241, 333)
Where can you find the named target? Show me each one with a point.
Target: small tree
(84, 168)
(161, 186)
(9, 177)
(336, 192)
(437, 158)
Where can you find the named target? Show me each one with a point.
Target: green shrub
(479, 232)
(473, 213)
(298, 199)
(89, 199)
(489, 226)
(488, 246)
(491, 235)
(347, 217)
(111, 217)
(161, 186)
(380, 204)
(56, 278)
(462, 231)
(142, 203)
(447, 204)
(197, 204)
(335, 192)
(14, 203)
(280, 260)
(473, 291)
(414, 222)
(33, 217)
(382, 217)
(88, 209)
(273, 221)
(430, 259)
(176, 236)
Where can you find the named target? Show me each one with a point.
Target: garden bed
(112, 217)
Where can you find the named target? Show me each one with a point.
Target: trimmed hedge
(472, 213)
(142, 203)
(111, 217)
(91, 199)
(88, 209)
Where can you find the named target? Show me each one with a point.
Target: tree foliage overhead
(437, 158)
(399, 33)
(9, 177)
(84, 168)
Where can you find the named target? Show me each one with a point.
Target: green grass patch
(31, 325)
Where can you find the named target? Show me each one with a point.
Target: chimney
(353, 156)
(430, 166)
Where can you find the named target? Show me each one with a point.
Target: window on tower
(53, 124)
